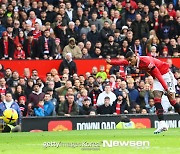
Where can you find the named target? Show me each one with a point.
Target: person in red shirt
(164, 81)
(19, 53)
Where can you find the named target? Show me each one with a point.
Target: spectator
(105, 32)
(29, 87)
(133, 93)
(39, 109)
(111, 48)
(73, 49)
(151, 108)
(2, 71)
(86, 108)
(33, 19)
(31, 47)
(102, 73)
(68, 107)
(68, 63)
(3, 87)
(93, 35)
(139, 27)
(6, 47)
(8, 74)
(85, 54)
(49, 108)
(23, 106)
(95, 21)
(7, 103)
(94, 93)
(81, 96)
(13, 82)
(46, 46)
(145, 95)
(19, 91)
(63, 89)
(85, 29)
(36, 95)
(120, 105)
(105, 108)
(80, 16)
(107, 92)
(105, 18)
(19, 52)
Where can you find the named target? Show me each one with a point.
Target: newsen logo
(111, 143)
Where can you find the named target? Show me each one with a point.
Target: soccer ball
(10, 116)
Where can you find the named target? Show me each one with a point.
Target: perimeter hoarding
(94, 122)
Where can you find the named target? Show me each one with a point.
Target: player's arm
(117, 62)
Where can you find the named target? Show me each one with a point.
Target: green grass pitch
(24, 143)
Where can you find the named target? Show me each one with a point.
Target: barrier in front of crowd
(94, 122)
(44, 66)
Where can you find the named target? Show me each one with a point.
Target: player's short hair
(129, 54)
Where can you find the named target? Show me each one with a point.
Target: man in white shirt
(107, 92)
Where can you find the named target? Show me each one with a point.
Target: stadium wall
(44, 66)
(94, 122)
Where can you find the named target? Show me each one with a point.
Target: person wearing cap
(19, 53)
(120, 105)
(6, 47)
(73, 49)
(46, 46)
(30, 47)
(22, 105)
(86, 108)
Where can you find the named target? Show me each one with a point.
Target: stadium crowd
(57, 29)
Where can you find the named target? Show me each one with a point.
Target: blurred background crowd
(38, 29)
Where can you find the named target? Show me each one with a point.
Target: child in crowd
(19, 53)
(102, 73)
(22, 105)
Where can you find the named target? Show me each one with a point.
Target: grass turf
(17, 143)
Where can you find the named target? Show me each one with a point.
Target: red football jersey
(153, 66)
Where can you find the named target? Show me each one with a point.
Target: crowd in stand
(38, 29)
(68, 30)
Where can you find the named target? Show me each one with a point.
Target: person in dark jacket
(68, 107)
(30, 47)
(105, 32)
(6, 47)
(68, 63)
(86, 108)
(111, 48)
(93, 35)
(139, 27)
(106, 108)
(120, 105)
(46, 45)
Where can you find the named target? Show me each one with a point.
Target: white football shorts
(170, 81)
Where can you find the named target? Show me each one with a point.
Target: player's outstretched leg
(159, 111)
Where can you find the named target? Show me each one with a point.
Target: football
(10, 116)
